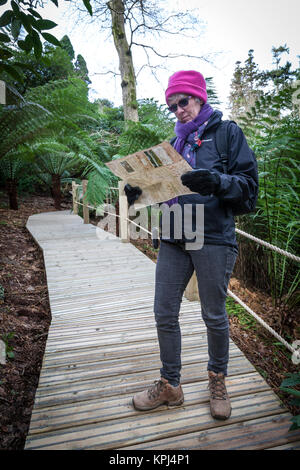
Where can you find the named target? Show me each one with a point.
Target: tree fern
(51, 118)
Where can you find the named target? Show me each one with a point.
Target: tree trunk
(56, 191)
(11, 187)
(128, 83)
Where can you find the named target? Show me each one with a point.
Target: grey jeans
(175, 265)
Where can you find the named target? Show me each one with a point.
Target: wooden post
(191, 292)
(85, 203)
(74, 196)
(123, 211)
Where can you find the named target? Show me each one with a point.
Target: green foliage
(212, 96)
(50, 124)
(67, 46)
(250, 84)
(81, 69)
(272, 128)
(52, 157)
(23, 16)
(139, 136)
(277, 146)
(54, 63)
(235, 309)
(154, 126)
(291, 385)
(30, 183)
(111, 124)
(99, 180)
(50, 106)
(14, 162)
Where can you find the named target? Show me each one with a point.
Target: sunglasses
(182, 103)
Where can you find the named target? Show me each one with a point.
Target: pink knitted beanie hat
(188, 82)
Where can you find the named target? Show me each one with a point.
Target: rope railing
(116, 215)
(263, 323)
(268, 245)
(295, 351)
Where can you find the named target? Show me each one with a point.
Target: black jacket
(239, 183)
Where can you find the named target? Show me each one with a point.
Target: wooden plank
(104, 298)
(291, 446)
(92, 411)
(119, 254)
(97, 246)
(101, 330)
(81, 259)
(86, 273)
(94, 281)
(96, 323)
(131, 288)
(132, 313)
(129, 382)
(262, 433)
(102, 249)
(146, 427)
(128, 349)
(122, 304)
(95, 320)
(109, 338)
(110, 367)
(93, 285)
(119, 308)
(106, 305)
(99, 255)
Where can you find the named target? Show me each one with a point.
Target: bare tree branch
(170, 55)
(106, 73)
(151, 67)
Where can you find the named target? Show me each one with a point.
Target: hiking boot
(160, 393)
(219, 401)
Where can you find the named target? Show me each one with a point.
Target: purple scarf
(184, 130)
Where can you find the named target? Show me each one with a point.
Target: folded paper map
(156, 171)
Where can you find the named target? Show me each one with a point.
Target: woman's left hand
(132, 193)
(202, 181)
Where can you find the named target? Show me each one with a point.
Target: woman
(195, 129)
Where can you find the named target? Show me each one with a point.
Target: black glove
(202, 181)
(132, 193)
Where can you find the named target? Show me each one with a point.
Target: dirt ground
(25, 318)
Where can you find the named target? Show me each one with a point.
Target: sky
(229, 29)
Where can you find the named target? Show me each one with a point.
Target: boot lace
(218, 388)
(155, 389)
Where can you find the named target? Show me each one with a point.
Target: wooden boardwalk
(102, 348)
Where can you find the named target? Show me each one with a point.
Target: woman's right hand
(132, 193)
